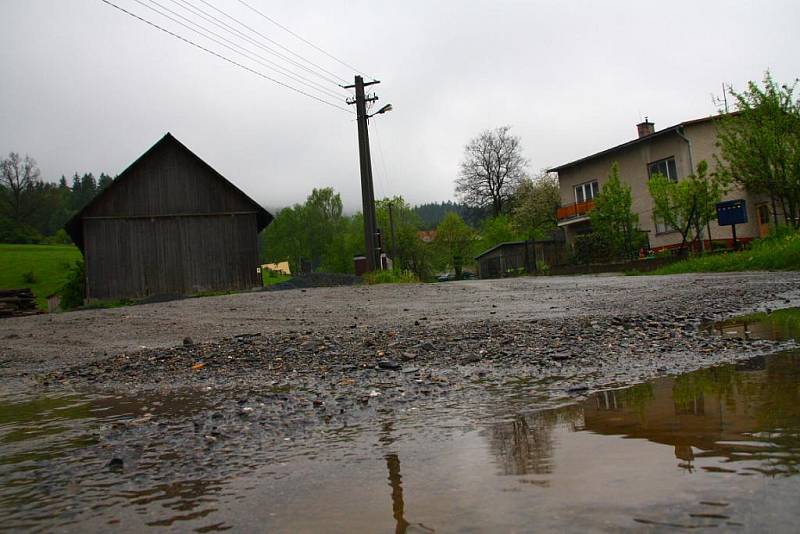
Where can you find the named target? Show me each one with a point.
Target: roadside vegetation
(43, 268)
(778, 252)
(391, 277)
(270, 278)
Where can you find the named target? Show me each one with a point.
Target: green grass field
(48, 265)
(775, 253)
(270, 279)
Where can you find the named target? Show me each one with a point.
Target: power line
(384, 177)
(246, 52)
(230, 29)
(271, 40)
(309, 43)
(224, 58)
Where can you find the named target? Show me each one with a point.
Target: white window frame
(661, 227)
(668, 174)
(593, 188)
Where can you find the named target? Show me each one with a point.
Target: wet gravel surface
(206, 404)
(54, 341)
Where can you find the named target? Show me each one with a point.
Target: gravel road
(53, 341)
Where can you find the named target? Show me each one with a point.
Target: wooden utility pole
(367, 194)
(394, 235)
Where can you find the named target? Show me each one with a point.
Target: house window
(586, 191)
(662, 227)
(664, 167)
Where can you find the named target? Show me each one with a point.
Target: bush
(590, 248)
(73, 291)
(28, 277)
(395, 276)
(542, 267)
(11, 232)
(59, 238)
(778, 252)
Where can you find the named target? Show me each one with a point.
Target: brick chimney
(645, 128)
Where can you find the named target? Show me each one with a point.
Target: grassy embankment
(775, 253)
(42, 268)
(391, 277)
(269, 278)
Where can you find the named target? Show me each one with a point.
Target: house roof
(427, 235)
(556, 237)
(75, 229)
(627, 144)
(504, 244)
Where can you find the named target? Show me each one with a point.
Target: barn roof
(75, 229)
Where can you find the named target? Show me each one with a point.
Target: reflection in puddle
(719, 447)
(778, 325)
(748, 413)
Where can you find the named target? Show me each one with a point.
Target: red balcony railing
(574, 210)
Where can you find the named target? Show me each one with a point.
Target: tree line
(33, 210)
(317, 235)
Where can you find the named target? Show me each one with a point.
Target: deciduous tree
(492, 168)
(760, 145)
(688, 205)
(412, 253)
(455, 238)
(496, 230)
(612, 217)
(535, 205)
(18, 180)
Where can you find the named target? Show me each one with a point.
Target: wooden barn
(169, 224)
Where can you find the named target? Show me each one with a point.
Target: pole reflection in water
(395, 481)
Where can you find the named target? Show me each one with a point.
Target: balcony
(574, 211)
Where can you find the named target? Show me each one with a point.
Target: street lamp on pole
(367, 192)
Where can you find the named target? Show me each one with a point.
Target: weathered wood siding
(169, 181)
(511, 257)
(172, 226)
(144, 256)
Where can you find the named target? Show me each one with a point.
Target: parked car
(446, 277)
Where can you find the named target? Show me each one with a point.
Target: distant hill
(432, 213)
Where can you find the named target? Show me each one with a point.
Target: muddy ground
(327, 353)
(200, 381)
(57, 340)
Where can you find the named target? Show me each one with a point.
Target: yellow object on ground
(282, 267)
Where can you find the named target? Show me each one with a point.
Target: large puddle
(718, 447)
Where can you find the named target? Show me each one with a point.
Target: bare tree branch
(492, 168)
(18, 177)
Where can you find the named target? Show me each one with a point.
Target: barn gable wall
(168, 181)
(169, 224)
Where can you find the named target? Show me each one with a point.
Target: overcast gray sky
(88, 88)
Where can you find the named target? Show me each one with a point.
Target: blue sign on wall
(731, 212)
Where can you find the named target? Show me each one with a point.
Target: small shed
(504, 259)
(515, 257)
(169, 224)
